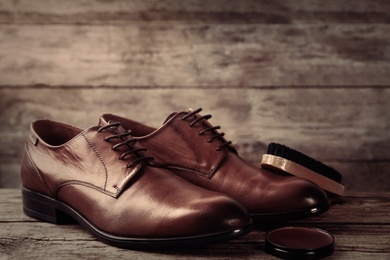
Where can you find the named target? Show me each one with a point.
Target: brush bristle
(304, 160)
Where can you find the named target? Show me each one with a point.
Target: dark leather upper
(182, 147)
(82, 170)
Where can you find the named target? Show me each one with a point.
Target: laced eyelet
(211, 129)
(129, 165)
(116, 124)
(130, 150)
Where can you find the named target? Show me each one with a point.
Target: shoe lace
(208, 129)
(128, 143)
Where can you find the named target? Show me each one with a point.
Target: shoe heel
(43, 208)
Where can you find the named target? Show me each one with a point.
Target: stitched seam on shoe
(189, 143)
(98, 155)
(211, 171)
(86, 184)
(35, 169)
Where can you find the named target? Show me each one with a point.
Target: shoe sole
(280, 217)
(42, 207)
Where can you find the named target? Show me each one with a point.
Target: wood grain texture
(359, 242)
(197, 11)
(195, 55)
(360, 224)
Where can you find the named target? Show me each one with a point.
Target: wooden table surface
(360, 223)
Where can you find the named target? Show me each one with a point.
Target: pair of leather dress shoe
(188, 189)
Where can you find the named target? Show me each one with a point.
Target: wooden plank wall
(313, 75)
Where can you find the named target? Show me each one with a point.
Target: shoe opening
(54, 133)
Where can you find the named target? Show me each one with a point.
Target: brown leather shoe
(100, 178)
(189, 146)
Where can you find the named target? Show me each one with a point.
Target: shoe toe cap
(291, 195)
(216, 214)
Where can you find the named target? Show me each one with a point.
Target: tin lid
(299, 243)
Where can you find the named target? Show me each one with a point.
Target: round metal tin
(299, 243)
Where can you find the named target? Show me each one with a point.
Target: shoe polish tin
(299, 243)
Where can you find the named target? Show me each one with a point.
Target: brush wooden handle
(276, 163)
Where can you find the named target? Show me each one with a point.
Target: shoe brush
(281, 158)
